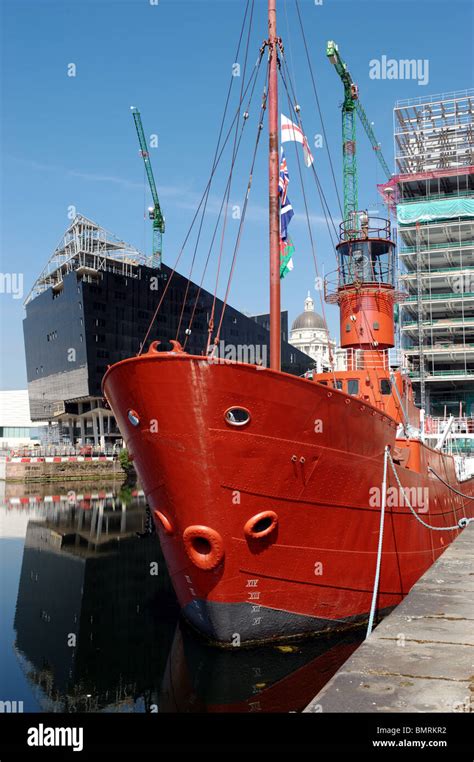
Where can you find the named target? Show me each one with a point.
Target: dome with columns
(310, 335)
(309, 318)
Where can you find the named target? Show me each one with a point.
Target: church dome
(309, 319)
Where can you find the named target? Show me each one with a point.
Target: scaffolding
(88, 249)
(434, 197)
(421, 339)
(434, 132)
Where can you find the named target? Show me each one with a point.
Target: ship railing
(372, 359)
(338, 282)
(435, 426)
(359, 227)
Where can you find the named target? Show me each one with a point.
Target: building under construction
(91, 307)
(433, 192)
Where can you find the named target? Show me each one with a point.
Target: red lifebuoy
(204, 546)
(164, 521)
(261, 525)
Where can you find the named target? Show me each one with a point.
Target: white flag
(291, 131)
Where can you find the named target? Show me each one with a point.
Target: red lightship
(267, 489)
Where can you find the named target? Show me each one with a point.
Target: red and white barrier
(72, 497)
(60, 459)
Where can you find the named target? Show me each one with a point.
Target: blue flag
(286, 210)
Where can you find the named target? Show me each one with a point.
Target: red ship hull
(308, 564)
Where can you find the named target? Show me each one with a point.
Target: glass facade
(19, 432)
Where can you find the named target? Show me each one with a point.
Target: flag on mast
(291, 131)
(286, 210)
(286, 213)
(286, 256)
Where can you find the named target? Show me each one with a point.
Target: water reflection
(95, 611)
(280, 678)
(96, 621)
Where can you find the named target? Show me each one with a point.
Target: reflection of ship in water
(93, 622)
(279, 678)
(94, 627)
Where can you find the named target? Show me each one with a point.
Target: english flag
(291, 131)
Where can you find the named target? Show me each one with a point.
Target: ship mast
(274, 198)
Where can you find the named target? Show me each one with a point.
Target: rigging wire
(225, 217)
(211, 245)
(288, 37)
(310, 232)
(326, 142)
(292, 82)
(297, 116)
(244, 208)
(173, 271)
(144, 209)
(217, 148)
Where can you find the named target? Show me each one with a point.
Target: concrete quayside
(420, 658)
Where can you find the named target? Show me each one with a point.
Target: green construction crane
(154, 211)
(350, 106)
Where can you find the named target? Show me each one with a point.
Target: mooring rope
(468, 497)
(460, 525)
(379, 550)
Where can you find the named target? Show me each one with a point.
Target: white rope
(460, 525)
(379, 550)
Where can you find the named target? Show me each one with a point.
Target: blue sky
(71, 140)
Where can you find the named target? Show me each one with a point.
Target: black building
(95, 612)
(91, 308)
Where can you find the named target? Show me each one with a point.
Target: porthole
(133, 417)
(237, 416)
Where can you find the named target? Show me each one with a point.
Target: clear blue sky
(71, 141)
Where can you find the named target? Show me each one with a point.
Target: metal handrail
(382, 231)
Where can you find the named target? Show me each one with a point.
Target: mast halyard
(274, 197)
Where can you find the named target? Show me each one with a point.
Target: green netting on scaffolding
(428, 211)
